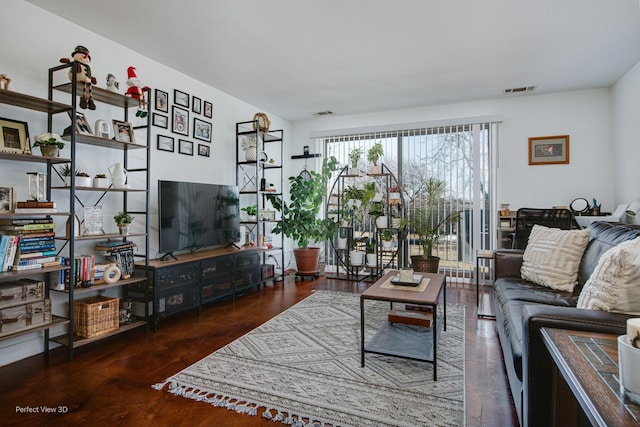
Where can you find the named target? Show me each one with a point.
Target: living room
(599, 119)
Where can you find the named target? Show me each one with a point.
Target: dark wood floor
(109, 382)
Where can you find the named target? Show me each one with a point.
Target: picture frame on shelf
(181, 98)
(92, 224)
(180, 121)
(208, 109)
(166, 143)
(185, 147)
(201, 130)
(82, 124)
(549, 150)
(7, 198)
(160, 121)
(196, 105)
(267, 215)
(123, 131)
(14, 136)
(204, 150)
(162, 101)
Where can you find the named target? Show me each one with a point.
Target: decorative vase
(49, 150)
(250, 154)
(100, 182)
(118, 175)
(124, 229)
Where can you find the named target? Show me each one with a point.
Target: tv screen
(196, 215)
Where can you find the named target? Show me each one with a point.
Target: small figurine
(112, 84)
(136, 90)
(5, 82)
(83, 75)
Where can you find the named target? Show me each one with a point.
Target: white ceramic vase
(382, 222)
(356, 257)
(371, 260)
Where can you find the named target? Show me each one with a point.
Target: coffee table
(390, 338)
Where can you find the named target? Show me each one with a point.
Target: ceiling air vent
(520, 89)
(323, 113)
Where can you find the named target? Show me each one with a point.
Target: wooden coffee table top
(384, 290)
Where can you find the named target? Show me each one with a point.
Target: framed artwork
(123, 131)
(203, 150)
(208, 109)
(82, 125)
(14, 136)
(549, 150)
(181, 98)
(180, 122)
(160, 121)
(7, 198)
(267, 215)
(185, 147)
(165, 143)
(201, 130)
(196, 105)
(92, 221)
(162, 101)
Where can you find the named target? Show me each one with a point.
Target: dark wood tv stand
(196, 278)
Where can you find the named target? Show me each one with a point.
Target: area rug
(303, 368)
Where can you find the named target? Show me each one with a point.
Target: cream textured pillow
(614, 284)
(552, 257)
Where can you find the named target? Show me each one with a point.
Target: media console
(194, 279)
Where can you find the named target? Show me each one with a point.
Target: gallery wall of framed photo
(184, 120)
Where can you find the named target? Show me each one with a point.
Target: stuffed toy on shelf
(112, 84)
(80, 56)
(136, 90)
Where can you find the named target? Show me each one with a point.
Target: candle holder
(37, 186)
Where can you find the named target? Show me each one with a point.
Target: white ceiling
(296, 57)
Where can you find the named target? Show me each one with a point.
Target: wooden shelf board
(80, 341)
(104, 142)
(31, 102)
(101, 95)
(103, 286)
(32, 158)
(55, 321)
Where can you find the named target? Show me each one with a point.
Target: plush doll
(112, 84)
(80, 56)
(136, 90)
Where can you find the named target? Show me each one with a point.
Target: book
(411, 317)
(4, 243)
(38, 260)
(26, 267)
(29, 227)
(36, 204)
(36, 254)
(24, 221)
(36, 210)
(48, 235)
(11, 253)
(413, 307)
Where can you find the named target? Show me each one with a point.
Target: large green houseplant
(301, 216)
(428, 218)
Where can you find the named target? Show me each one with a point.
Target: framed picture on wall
(14, 136)
(185, 147)
(201, 130)
(549, 150)
(208, 109)
(162, 101)
(160, 120)
(180, 122)
(203, 150)
(165, 143)
(181, 98)
(196, 105)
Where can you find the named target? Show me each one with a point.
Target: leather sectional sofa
(522, 308)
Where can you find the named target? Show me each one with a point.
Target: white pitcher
(118, 175)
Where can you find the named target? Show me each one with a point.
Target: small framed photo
(7, 198)
(82, 125)
(180, 122)
(181, 98)
(162, 101)
(203, 150)
(160, 121)
(165, 143)
(201, 130)
(14, 136)
(208, 109)
(185, 147)
(123, 131)
(196, 105)
(267, 215)
(92, 221)
(549, 150)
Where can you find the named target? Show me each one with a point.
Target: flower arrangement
(49, 139)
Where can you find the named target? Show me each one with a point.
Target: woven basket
(262, 121)
(95, 316)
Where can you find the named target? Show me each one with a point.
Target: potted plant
(371, 252)
(373, 155)
(252, 212)
(100, 181)
(300, 216)
(387, 239)
(123, 221)
(354, 158)
(66, 172)
(427, 219)
(50, 144)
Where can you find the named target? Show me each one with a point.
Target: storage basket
(95, 316)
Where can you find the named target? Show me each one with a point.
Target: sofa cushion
(552, 257)
(613, 286)
(523, 290)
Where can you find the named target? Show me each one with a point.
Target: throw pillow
(613, 285)
(552, 257)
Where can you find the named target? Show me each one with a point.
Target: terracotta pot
(425, 265)
(307, 259)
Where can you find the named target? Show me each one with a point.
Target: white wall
(27, 54)
(584, 115)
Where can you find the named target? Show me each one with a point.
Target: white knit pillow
(552, 257)
(614, 284)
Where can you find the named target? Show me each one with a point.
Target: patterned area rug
(303, 368)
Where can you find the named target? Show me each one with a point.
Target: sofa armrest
(537, 364)
(507, 262)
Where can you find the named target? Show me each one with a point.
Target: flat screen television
(196, 215)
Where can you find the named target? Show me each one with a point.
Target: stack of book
(81, 272)
(27, 243)
(36, 207)
(119, 252)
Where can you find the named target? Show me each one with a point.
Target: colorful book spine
(4, 244)
(11, 253)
